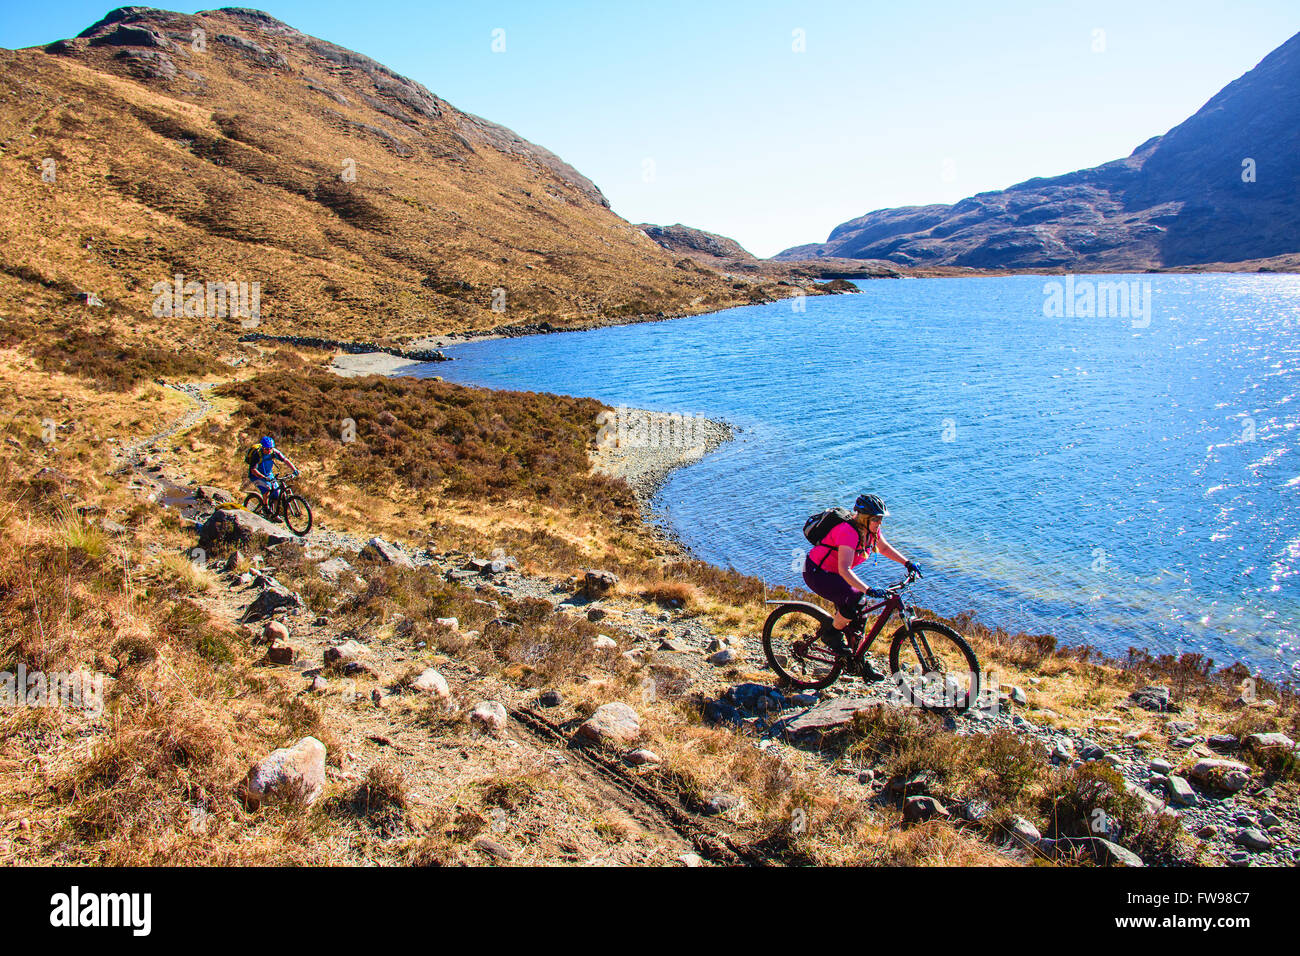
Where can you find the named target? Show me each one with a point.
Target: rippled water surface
(1108, 480)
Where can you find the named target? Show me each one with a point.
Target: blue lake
(1120, 480)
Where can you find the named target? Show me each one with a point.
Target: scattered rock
(1223, 742)
(451, 623)
(1228, 775)
(348, 652)
(690, 859)
(643, 758)
(1252, 839)
(1106, 852)
(1151, 698)
(597, 614)
(550, 698)
(1018, 696)
(433, 684)
(293, 774)
(378, 548)
(1023, 830)
(333, 569)
(602, 642)
(721, 803)
(1266, 743)
(281, 654)
(489, 716)
(597, 584)
(1180, 791)
(613, 723)
(1159, 765)
(491, 847)
(724, 656)
(236, 524)
(273, 597)
(826, 716)
(917, 809)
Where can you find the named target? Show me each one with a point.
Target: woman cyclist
(828, 571)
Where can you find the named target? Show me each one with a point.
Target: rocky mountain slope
(1221, 187)
(228, 146)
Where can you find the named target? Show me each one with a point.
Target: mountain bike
(930, 663)
(288, 504)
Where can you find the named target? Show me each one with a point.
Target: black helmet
(871, 505)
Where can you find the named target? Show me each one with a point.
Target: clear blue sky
(890, 103)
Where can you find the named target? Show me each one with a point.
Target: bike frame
(891, 605)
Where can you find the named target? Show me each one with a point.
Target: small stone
(676, 647)
(724, 656)
(550, 698)
(1180, 792)
(1208, 832)
(1223, 742)
(602, 642)
(1269, 820)
(597, 614)
(433, 684)
(615, 723)
(386, 553)
(919, 808)
(1159, 765)
(1018, 696)
(294, 774)
(1226, 775)
(489, 716)
(1023, 830)
(450, 623)
(1252, 839)
(492, 847)
(643, 758)
(1184, 743)
(346, 653)
(274, 631)
(690, 859)
(721, 803)
(1263, 743)
(281, 654)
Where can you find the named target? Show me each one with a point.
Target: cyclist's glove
(911, 566)
(875, 593)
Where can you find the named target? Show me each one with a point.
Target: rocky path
(1250, 825)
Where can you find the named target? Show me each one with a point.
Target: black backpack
(818, 526)
(253, 456)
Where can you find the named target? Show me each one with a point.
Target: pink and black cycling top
(842, 534)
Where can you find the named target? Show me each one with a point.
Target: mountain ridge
(1220, 187)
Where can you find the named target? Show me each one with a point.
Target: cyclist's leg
(835, 589)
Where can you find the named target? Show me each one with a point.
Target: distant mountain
(688, 241)
(228, 145)
(1222, 187)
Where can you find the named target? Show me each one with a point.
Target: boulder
(1105, 852)
(292, 774)
(433, 684)
(333, 569)
(489, 716)
(237, 524)
(1265, 743)
(1180, 791)
(597, 584)
(827, 716)
(349, 652)
(917, 809)
(1152, 697)
(643, 758)
(125, 35)
(218, 496)
(614, 723)
(273, 597)
(1228, 775)
(387, 553)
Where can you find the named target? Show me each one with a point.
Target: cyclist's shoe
(868, 673)
(834, 639)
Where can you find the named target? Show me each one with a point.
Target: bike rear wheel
(297, 514)
(934, 667)
(794, 649)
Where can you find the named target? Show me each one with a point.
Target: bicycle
(930, 663)
(289, 505)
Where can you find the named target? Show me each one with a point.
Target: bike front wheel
(297, 514)
(934, 667)
(792, 643)
(253, 502)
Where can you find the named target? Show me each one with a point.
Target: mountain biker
(261, 469)
(828, 571)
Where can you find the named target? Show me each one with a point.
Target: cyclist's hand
(912, 568)
(875, 593)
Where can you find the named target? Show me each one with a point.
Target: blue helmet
(268, 442)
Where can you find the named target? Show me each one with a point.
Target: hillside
(1182, 199)
(361, 202)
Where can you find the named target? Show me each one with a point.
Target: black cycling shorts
(833, 588)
